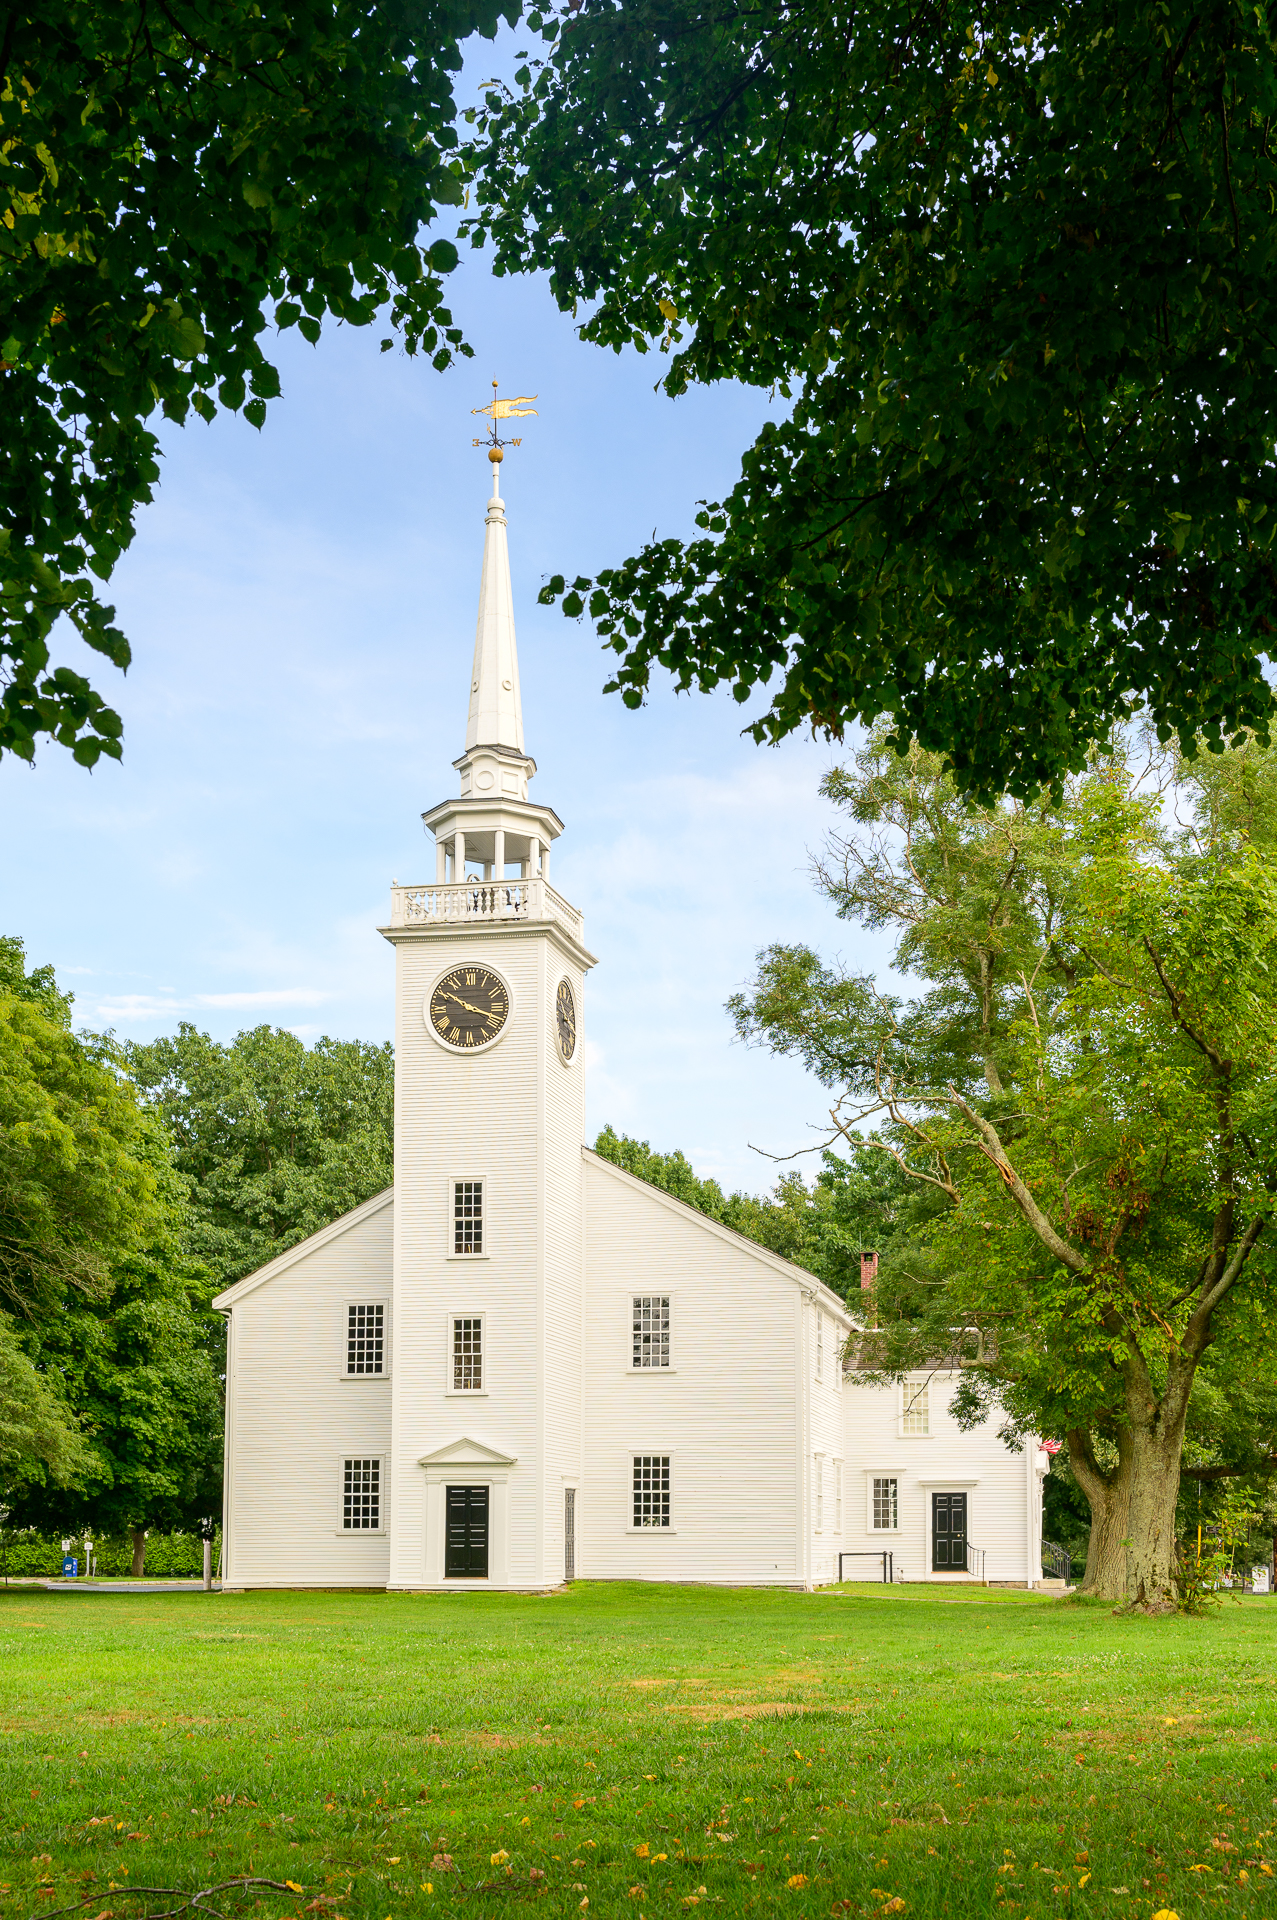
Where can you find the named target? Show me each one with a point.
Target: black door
(948, 1533)
(466, 1554)
(569, 1533)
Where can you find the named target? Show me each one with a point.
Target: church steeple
(496, 712)
(493, 825)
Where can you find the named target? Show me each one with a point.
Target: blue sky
(301, 604)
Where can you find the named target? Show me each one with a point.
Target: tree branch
(993, 1150)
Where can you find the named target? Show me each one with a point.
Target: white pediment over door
(467, 1453)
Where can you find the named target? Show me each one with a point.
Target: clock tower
(486, 1321)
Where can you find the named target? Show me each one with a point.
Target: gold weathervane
(515, 408)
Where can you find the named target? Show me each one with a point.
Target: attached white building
(521, 1364)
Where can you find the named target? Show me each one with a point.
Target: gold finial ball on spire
(496, 456)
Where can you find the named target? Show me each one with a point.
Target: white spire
(496, 714)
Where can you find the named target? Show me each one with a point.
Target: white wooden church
(521, 1364)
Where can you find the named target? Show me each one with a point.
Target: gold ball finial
(496, 456)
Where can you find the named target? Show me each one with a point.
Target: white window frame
(838, 1496)
(906, 1395)
(650, 1453)
(474, 1177)
(344, 1334)
(485, 1356)
(383, 1492)
(649, 1293)
(873, 1474)
(820, 1344)
(818, 1492)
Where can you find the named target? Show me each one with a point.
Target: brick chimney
(868, 1281)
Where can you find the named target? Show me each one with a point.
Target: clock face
(469, 1007)
(565, 1019)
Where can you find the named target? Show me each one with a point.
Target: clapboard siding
(292, 1418)
(731, 1413)
(1000, 1513)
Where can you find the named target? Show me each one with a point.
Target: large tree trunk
(1109, 1495)
(1150, 1545)
(139, 1551)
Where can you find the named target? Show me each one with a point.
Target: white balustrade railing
(447, 903)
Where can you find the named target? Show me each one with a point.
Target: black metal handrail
(975, 1560)
(1057, 1561)
(888, 1563)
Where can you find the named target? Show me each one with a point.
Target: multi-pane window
(467, 1216)
(651, 1489)
(818, 1483)
(365, 1339)
(916, 1413)
(837, 1496)
(651, 1329)
(361, 1496)
(885, 1503)
(820, 1344)
(467, 1355)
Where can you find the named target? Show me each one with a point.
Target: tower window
(651, 1489)
(467, 1355)
(361, 1496)
(467, 1216)
(651, 1330)
(365, 1339)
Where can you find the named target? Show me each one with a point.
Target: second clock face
(565, 1019)
(469, 1007)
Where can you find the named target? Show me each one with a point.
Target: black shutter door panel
(477, 1556)
(948, 1532)
(466, 1538)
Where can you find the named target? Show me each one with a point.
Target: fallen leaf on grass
(895, 1905)
(797, 1880)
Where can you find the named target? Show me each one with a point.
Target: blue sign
(70, 1567)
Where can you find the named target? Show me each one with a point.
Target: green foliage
(173, 180)
(39, 1440)
(139, 1370)
(77, 1190)
(109, 1399)
(276, 1139)
(169, 1556)
(1016, 273)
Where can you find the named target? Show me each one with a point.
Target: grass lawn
(626, 1750)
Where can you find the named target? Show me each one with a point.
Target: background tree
(172, 180)
(139, 1372)
(109, 1399)
(1013, 268)
(1084, 1100)
(275, 1138)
